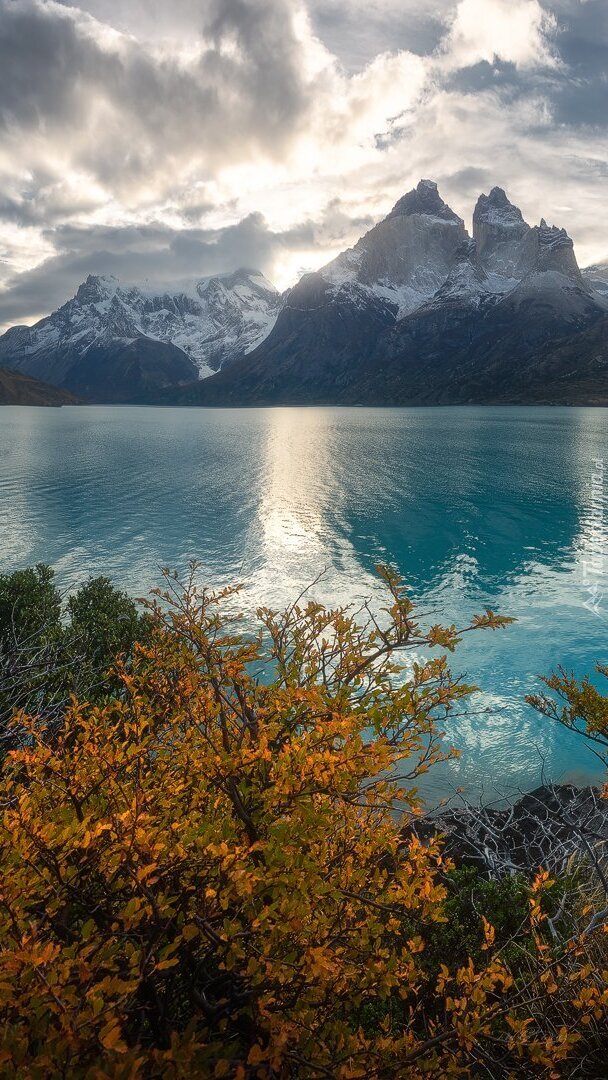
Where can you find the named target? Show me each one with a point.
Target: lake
(500, 507)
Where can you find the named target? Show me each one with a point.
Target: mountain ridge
(489, 314)
(416, 310)
(18, 389)
(195, 330)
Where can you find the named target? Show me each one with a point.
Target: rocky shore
(551, 827)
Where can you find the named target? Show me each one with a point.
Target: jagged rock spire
(499, 231)
(496, 209)
(96, 288)
(424, 199)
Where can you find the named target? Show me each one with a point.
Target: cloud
(163, 140)
(358, 31)
(514, 31)
(254, 86)
(165, 257)
(119, 110)
(154, 253)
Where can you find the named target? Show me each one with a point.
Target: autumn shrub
(206, 874)
(577, 704)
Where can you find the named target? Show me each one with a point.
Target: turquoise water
(476, 506)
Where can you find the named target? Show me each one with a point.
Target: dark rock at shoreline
(547, 827)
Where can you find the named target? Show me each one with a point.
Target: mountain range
(417, 312)
(111, 342)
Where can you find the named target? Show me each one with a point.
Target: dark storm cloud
(582, 96)
(159, 254)
(263, 69)
(44, 201)
(355, 31)
(17, 211)
(39, 56)
(153, 253)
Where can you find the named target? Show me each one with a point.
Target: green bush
(50, 650)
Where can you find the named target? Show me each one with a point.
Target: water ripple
(476, 506)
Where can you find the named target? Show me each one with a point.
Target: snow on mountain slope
(596, 277)
(467, 284)
(417, 310)
(407, 257)
(216, 319)
(416, 281)
(422, 253)
(499, 232)
(213, 321)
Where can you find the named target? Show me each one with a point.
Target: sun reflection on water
(300, 533)
(476, 507)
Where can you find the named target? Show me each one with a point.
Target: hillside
(17, 389)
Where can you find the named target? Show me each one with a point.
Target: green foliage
(504, 903)
(50, 650)
(30, 605)
(103, 623)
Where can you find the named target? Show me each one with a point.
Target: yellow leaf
(111, 1038)
(164, 964)
(256, 1055)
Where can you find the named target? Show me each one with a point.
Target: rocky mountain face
(331, 320)
(596, 278)
(522, 332)
(404, 259)
(111, 341)
(525, 326)
(309, 358)
(499, 232)
(420, 312)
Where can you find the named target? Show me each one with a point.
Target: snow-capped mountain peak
(499, 231)
(424, 199)
(549, 249)
(496, 208)
(213, 320)
(407, 257)
(416, 272)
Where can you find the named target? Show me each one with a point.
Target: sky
(164, 140)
